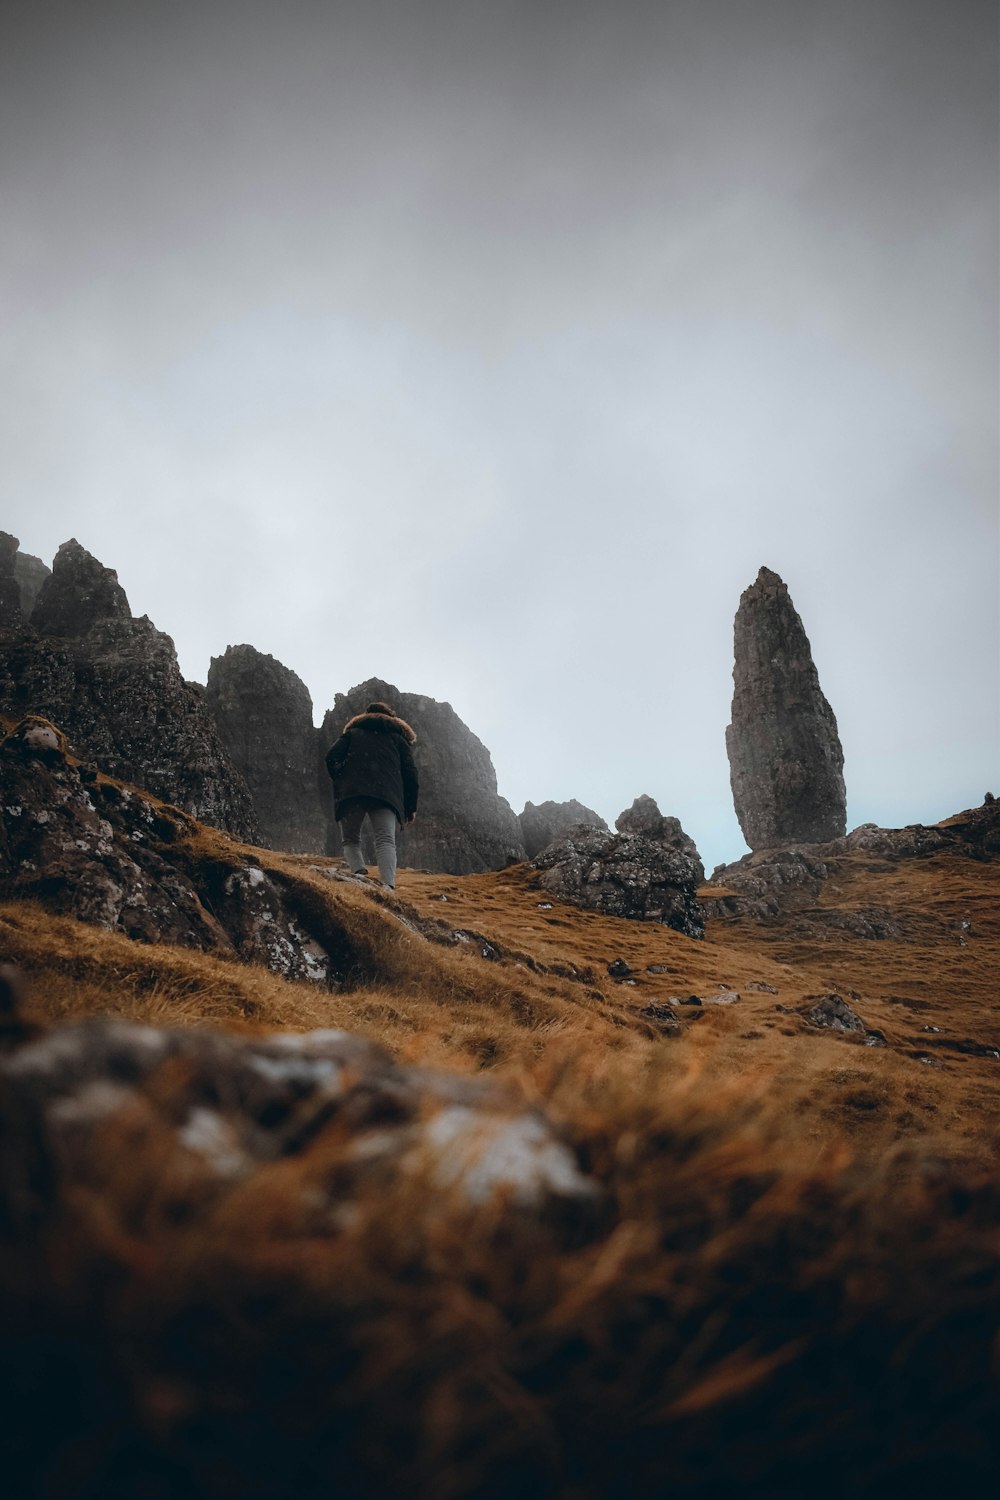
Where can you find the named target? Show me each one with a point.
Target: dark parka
(372, 758)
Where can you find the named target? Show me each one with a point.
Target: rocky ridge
(785, 757)
(542, 823)
(778, 885)
(112, 684)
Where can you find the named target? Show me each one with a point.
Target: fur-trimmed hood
(382, 724)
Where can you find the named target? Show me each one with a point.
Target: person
(375, 777)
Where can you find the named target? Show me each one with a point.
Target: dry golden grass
(796, 1289)
(523, 1017)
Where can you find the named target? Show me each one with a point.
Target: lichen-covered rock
(645, 819)
(541, 824)
(624, 875)
(463, 825)
(112, 683)
(108, 855)
(832, 1013)
(241, 1102)
(264, 716)
(785, 758)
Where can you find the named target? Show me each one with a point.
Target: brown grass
(795, 1292)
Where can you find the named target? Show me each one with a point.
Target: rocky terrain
(645, 819)
(470, 1190)
(463, 824)
(112, 684)
(785, 758)
(242, 753)
(566, 1176)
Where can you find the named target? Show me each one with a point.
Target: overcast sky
(491, 346)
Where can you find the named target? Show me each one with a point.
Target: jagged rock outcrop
(112, 684)
(30, 573)
(788, 885)
(108, 855)
(79, 594)
(21, 578)
(645, 819)
(463, 825)
(624, 875)
(785, 758)
(541, 824)
(264, 716)
(11, 615)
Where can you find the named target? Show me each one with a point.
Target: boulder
(541, 824)
(645, 819)
(624, 875)
(113, 685)
(463, 825)
(264, 716)
(785, 758)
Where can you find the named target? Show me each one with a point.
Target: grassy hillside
(793, 1286)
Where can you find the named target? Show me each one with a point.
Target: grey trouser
(383, 825)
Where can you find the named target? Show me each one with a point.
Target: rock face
(31, 573)
(541, 824)
(785, 758)
(624, 875)
(11, 616)
(462, 824)
(101, 852)
(264, 716)
(645, 819)
(112, 683)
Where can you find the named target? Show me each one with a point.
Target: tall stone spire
(785, 758)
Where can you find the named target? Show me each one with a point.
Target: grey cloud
(492, 347)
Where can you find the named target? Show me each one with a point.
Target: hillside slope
(705, 1248)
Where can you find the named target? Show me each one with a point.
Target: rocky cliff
(462, 825)
(11, 613)
(112, 684)
(30, 573)
(264, 716)
(541, 824)
(785, 758)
